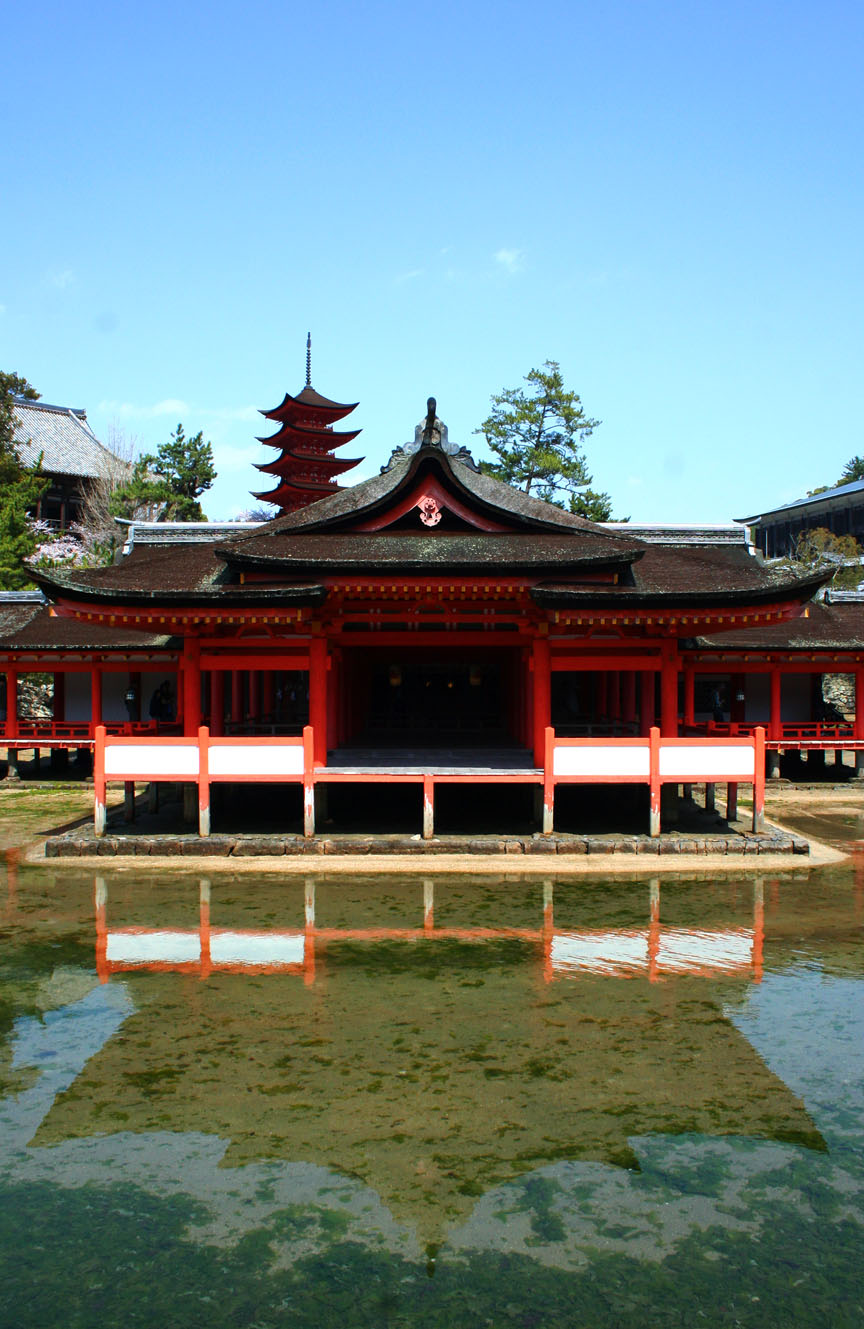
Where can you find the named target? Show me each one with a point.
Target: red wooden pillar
(318, 687)
(542, 696)
(217, 701)
(254, 694)
(737, 701)
(646, 701)
(333, 697)
(11, 703)
(614, 695)
(775, 724)
(236, 696)
(191, 686)
(628, 696)
(669, 697)
(689, 697)
(267, 692)
(58, 703)
(95, 697)
(601, 706)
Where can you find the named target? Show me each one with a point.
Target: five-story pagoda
(306, 467)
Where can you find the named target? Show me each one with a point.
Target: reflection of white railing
(654, 951)
(655, 761)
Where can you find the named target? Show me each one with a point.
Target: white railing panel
(153, 947)
(601, 762)
(279, 948)
(716, 761)
(146, 757)
(255, 759)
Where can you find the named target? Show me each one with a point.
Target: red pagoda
(306, 467)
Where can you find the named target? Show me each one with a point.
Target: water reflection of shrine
(654, 950)
(435, 1062)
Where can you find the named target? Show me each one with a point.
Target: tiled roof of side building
(33, 627)
(63, 439)
(828, 626)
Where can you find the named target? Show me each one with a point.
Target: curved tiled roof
(63, 439)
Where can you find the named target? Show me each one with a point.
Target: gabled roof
(490, 497)
(62, 437)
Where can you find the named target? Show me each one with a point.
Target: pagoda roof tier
(310, 406)
(306, 436)
(302, 492)
(321, 460)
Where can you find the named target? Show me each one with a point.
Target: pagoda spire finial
(308, 359)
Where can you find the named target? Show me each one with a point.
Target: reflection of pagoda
(306, 467)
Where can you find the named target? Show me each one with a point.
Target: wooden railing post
(759, 779)
(308, 782)
(99, 808)
(548, 780)
(428, 806)
(203, 780)
(654, 780)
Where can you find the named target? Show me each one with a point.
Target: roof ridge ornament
(431, 432)
(308, 359)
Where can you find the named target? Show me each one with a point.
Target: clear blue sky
(666, 198)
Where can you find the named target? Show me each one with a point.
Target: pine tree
(537, 439)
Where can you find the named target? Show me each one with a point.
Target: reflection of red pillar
(204, 929)
(653, 931)
(758, 930)
(548, 930)
(428, 905)
(100, 900)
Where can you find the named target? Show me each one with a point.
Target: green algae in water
(431, 1132)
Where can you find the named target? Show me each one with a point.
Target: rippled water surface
(264, 1100)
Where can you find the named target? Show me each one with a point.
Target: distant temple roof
(62, 437)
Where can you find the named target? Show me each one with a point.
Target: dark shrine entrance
(430, 698)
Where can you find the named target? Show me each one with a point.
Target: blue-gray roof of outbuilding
(63, 439)
(839, 491)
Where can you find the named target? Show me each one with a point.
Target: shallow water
(407, 1101)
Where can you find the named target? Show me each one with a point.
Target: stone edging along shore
(78, 844)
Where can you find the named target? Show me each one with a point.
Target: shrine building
(431, 626)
